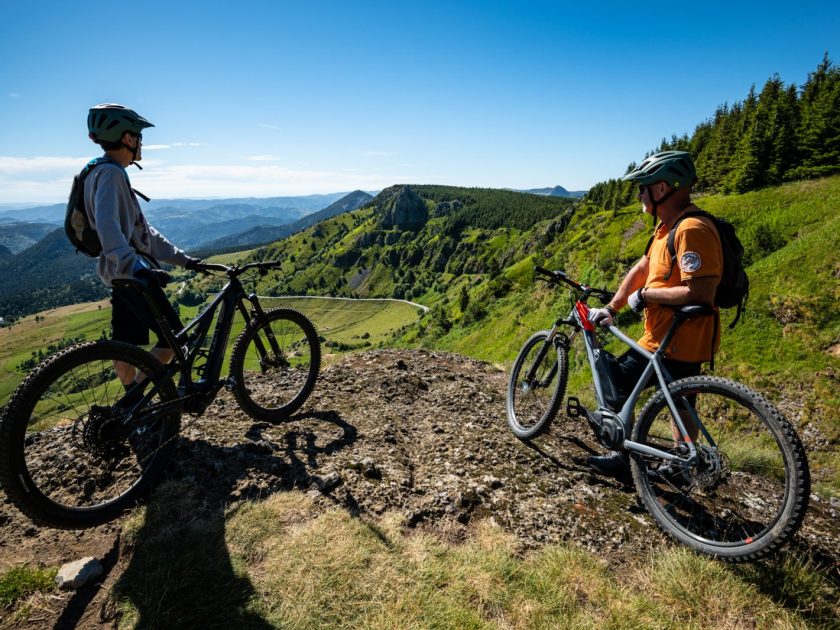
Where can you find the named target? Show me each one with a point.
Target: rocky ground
(422, 433)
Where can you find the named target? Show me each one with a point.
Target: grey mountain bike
(737, 490)
(77, 447)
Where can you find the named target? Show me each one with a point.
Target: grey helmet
(109, 121)
(673, 167)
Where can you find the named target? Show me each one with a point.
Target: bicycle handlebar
(236, 270)
(558, 276)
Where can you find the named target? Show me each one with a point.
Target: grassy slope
(787, 343)
(285, 562)
(19, 341)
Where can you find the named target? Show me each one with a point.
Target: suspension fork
(258, 314)
(554, 337)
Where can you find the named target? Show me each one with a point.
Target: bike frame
(228, 301)
(578, 318)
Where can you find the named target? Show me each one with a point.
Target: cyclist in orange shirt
(665, 180)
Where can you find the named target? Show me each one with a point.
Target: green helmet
(108, 122)
(672, 167)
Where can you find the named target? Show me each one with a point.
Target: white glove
(601, 317)
(636, 302)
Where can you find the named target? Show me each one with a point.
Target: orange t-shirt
(699, 255)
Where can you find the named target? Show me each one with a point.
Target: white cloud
(187, 144)
(14, 95)
(155, 147)
(275, 127)
(263, 158)
(48, 179)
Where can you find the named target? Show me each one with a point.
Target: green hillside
(478, 280)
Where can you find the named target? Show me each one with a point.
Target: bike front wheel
(747, 492)
(274, 364)
(75, 451)
(536, 387)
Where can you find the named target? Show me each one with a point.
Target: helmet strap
(656, 203)
(133, 154)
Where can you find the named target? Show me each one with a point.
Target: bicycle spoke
(735, 490)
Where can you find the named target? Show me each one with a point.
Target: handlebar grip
(210, 267)
(543, 271)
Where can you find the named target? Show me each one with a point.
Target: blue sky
(256, 98)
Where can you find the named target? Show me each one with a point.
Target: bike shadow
(180, 573)
(562, 444)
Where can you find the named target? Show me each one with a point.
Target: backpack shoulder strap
(106, 160)
(650, 240)
(672, 235)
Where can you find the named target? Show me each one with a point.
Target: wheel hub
(712, 468)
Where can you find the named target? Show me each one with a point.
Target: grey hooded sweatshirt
(114, 211)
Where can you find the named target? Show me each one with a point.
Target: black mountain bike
(737, 490)
(77, 447)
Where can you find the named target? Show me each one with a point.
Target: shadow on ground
(180, 573)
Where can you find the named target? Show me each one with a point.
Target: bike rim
(78, 453)
(277, 367)
(530, 399)
(740, 490)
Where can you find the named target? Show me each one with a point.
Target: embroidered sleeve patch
(690, 262)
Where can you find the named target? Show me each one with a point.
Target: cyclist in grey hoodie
(131, 248)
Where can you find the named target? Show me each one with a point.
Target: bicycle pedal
(574, 409)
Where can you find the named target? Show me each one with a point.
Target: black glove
(192, 263)
(155, 277)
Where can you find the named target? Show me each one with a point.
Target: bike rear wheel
(748, 492)
(536, 386)
(274, 364)
(73, 451)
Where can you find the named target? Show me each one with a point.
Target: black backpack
(734, 286)
(81, 234)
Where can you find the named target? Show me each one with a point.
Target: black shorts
(132, 318)
(631, 365)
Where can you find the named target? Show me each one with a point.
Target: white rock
(76, 574)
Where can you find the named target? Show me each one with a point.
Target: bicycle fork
(553, 340)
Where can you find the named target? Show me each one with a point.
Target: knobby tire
(272, 388)
(531, 407)
(750, 492)
(69, 456)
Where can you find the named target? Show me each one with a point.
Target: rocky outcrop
(404, 210)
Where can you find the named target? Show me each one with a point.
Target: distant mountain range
(556, 191)
(39, 269)
(15, 237)
(189, 223)
(264, 234)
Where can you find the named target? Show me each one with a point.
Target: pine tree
(819, 126)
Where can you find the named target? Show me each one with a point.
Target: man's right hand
(601, 317)
(192, 263)
(155, 277)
